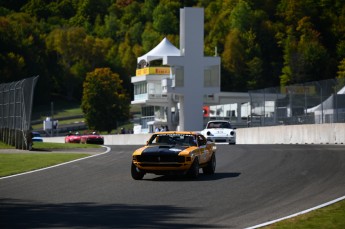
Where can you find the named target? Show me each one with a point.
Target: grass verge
(16, 163)
(48, 146)
(329, 217)
(5, 146)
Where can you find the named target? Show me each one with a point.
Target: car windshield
(36, 134)
(215, 125)
(173, 139)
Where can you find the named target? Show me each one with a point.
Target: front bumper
(163, 164)
(95, 141)
(230, 140)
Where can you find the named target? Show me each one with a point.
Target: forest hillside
(261, 43)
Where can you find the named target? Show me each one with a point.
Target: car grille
(161, 158)
(95, 141)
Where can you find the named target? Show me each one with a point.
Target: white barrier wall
(291, 134)
(126, 139)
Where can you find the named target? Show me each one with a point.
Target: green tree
(165, 18)
(305, 57)
(341, 70)
(105, 103)
(233, 59)
(77, 53)
(241, 16)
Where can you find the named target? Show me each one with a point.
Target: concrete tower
(193, 75)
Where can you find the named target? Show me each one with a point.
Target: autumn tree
(105, 103)
(77, 53)
(262, 43)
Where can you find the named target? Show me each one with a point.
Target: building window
(179, 77)
(211, 77)
(147, 111)
(140, 88)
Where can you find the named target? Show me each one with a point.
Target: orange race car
(174, 152)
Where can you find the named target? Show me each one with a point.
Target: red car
(93, 138)
(72, 138)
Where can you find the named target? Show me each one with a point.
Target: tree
(77, 53)
(105, 103)
(165, 21)
(305, 57)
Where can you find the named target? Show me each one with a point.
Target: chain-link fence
(15, 112)
(309, 103)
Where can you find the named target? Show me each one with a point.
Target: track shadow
(202, 177)
(39, 150)
(18, 214)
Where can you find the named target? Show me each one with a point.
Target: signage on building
(153, 71)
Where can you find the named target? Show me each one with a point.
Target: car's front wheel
(194, 169)
(211, 166)
(137, 174)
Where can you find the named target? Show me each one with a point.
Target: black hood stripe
(162, 150)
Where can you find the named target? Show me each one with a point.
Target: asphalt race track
(253, 184)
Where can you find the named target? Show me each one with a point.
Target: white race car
(220, 131)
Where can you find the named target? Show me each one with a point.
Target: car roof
(176, 132)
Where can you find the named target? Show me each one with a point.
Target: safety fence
(15, 112)
(309, 103)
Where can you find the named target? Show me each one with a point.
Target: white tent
(327, 104)
(164, 48)
(328, 111)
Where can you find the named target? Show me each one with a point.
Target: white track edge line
(53, 166)
(298, 213)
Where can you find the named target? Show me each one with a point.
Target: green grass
(330, 217)
(48, 145)
(61, 108)
(15, 163)
(5, 146)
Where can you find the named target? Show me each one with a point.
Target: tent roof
(341, 91)
(164, 48)
(327, 104)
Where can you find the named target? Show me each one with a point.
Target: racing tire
(136, 173)
(193, 172)
(211, 166)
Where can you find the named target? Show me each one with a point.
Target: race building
(175, 87)
(179, 89)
